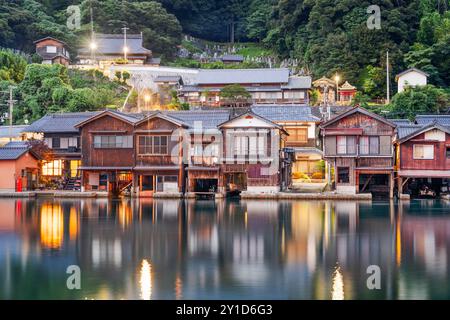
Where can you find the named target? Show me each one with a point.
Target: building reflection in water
(225, 248)
(52, 225)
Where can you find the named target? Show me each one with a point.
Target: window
(167, 183)
(56, 143)
(108, 142)
(364, 145)
(147, 183)
(51, 49)
(374, 145)
(346, 145)
(241, 145)
(447, 152)
(343, 174)
(153, 145)
(74, 165)
(298, 135)
(341, 145)
(423, 151)
(52, 168)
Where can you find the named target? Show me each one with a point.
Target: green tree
(419, 100)
(235, 95)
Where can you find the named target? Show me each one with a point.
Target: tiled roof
(298, 82)
(209, 119)
(59, 122)
(17, 144)
(12, 153)
(279, 113)
(15, 131)
(400, 122)
(443, 120)
(232, 76)
(406, 130)
(113, 44)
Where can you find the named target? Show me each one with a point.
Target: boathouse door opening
(376, 184)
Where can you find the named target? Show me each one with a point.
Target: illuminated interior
(52, 168)
(52, 226)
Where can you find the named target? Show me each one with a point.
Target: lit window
(52, 168)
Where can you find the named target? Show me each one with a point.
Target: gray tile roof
(298, 82)
(12, 153)
(15, 131)
(443, 120)
(112, 44)
(280, 113)
(209, 119)
(59, 122)
(243, 76)
(406, 130)
(400, 122)
(130, 117)
(17, 144)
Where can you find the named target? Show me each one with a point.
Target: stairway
(72, 184)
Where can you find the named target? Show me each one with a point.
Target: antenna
(11, 110)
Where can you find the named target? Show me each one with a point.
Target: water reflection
(179, 249)
(146, 280)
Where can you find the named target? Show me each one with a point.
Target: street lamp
(93, 45)
(336, 78)
(146, 100)
(125, 52)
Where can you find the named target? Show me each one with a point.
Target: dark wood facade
(358, 145)
(159, 156)
(423, 154)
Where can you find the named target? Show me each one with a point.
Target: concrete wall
(411, 79)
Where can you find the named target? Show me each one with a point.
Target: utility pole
(388, 96)
(11, 109)
(125, 49)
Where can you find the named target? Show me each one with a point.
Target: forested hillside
(325, 36)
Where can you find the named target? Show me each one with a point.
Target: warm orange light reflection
(73, 224)
(146, 280)
(178, 288)
(398, 243)
(125, 214)
(52, 225)
(337, 292)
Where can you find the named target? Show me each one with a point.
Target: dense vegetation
(24, 21)
(329, 36)
(40, 89)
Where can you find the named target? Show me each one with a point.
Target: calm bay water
(171, 249)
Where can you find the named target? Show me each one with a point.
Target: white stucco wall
(412, 78)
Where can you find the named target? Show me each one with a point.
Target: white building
(411, 77)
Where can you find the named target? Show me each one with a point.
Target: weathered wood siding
(158, 127)
(92, 157)
(440, 161)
